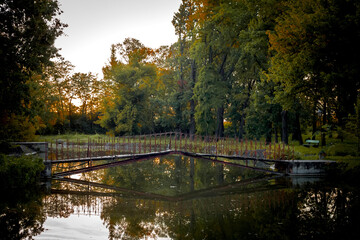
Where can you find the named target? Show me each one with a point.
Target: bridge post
(170, 141)
(175, 141)
(150, 143)
(47, 171)
(40, 149)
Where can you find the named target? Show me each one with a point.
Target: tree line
(242, 68)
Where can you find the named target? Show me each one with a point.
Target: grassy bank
(342, 151)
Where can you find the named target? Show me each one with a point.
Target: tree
(315, 48)
(217, 51)
(132, 81)
(186, 68)
(28, 31)
(47, 96)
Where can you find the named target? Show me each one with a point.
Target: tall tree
(217, 52)
(132, 82)
(315, 45)
(28, 30)
(187, 68)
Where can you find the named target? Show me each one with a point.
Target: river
(177, 197)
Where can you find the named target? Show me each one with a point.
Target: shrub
(341, 149)
(19, 171)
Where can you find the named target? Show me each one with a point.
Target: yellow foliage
(17, 128)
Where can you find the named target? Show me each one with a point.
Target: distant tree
(48, 96)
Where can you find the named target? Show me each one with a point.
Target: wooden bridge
(127, 149)
(91, 149)
(253, 154)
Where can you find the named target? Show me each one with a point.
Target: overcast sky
(96, 24)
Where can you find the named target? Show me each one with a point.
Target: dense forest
(273, 69)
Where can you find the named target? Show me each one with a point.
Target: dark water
(176, 197)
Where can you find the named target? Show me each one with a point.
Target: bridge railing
(175, 141)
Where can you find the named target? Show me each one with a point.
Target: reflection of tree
(184, 198)
(240, 216)
(129, 218)
(21, 213)
(255, 211)
(173, 175)
(329, 213)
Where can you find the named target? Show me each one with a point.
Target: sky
(96, 24)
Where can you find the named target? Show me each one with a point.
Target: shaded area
(21, 212)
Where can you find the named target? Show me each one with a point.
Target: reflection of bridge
(247, 186)
(89, 193)
(127, 149)
(118, 160)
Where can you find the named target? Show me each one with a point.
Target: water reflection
(182, 198)
(21, 212)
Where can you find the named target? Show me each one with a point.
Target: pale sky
(96, 24)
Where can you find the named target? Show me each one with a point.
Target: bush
(341, 149)
(19, 171)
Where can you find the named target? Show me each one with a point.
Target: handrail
(176, 141)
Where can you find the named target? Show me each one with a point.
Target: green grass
(70, 137)
(344, 152)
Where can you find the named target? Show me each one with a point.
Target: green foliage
(209, 93)
(128, 109)
(18, 127)
(342, 149)
(263, 115)
(317, 68)
(19, 171)
(28, 30)
(237, 62)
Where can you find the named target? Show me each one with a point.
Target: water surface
(177, 197)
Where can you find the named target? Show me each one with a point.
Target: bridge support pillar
(46, 173)
(303, 167)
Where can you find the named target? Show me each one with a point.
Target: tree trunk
(220, 122)
(70, 115)
(210, 55)
(285, 135)
(192, 102)
(357, 114)
(269, 133)
(314, 122)
(192, 118)
(241, 127)
(297, 130)
(244, 106)
(276, 134)
(323, 133)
